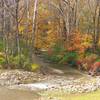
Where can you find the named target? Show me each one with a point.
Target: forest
(50, 49)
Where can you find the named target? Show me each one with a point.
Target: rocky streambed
(19, 79)
(15, 77)
(70, 86)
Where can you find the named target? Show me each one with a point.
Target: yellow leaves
(35, 67)
(45, 42)
(2, 54)
(86, 40)
(49, 31)
(99, 42)
(21, 29)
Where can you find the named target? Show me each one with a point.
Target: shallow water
(34, 87)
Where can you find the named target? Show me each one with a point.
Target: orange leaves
(75, 42)
(79, 42)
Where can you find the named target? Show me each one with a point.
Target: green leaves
(2, 61)
(69, 56)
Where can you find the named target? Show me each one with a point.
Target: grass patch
(61, 95)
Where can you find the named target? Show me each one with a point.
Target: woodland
(52, 39)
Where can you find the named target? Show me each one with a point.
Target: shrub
(78, 42)
(98, 60)
(1, 45)
(58, 49)
(60, 55)
(89, 60)
(17, 61)
(54, 58)
(23, 63)
(27, 65)
(55, 53)
(70, 58)
(2, 61)
(30, 67)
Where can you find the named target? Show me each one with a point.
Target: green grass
(64, 96)
(1, 45)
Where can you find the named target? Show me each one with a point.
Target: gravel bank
(16, 77)
(35, 81)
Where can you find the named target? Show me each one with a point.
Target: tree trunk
(34, 27)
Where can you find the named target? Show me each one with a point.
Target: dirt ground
(7, 94)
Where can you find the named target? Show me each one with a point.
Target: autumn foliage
(79, 42)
